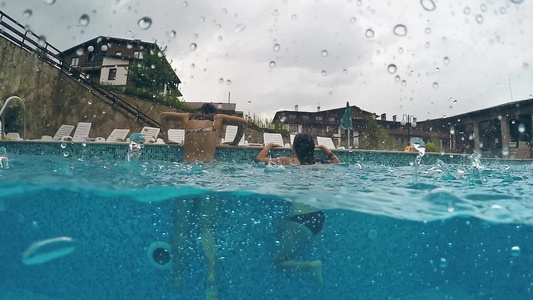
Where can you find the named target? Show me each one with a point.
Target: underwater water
(438, 231)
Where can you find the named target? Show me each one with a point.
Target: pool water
(416, 232)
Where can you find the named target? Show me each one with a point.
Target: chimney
(296, 107)
(318, 108)
(383, 117)
(394, 118)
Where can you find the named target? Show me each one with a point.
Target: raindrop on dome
(428, 5)
(503, 10)
(515, 251)
(400, 30)
(404, 83)
(272, 64)
(185, 4)
(400, 50)
(369, 33)
(294, 17)
(391, 68)
(104, 48)
(446, 60)
(517, 1)
(192, 46)
(435, 85)
(483, 7)
(90, 48)
(352, 20)
(324, 53)
(144, 23)
(397, 78)
(42, 41)
(452, 130)
(49, 2)
(79, 52)
(173, 34)
(466, 10)
(521, 128)
(427, 30)
(479, 19)
(84, 20)
(324, 73)
(228, 82)
(525, 66)
(27, 13)
(276, 47)
(221, 80)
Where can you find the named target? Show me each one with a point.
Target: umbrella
(347, 121)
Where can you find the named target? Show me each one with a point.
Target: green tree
(377, 138)
(152, 76)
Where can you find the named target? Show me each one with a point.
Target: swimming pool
(450, 230)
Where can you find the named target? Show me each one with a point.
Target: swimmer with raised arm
(199, 146)
(304, 221)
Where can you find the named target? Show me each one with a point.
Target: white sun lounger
(272, 138)
(325, 141)
(231, 132)
(150, 134)
(63, 131)
(81, 134)
(13, 136)
(117, 136)
(176, 135)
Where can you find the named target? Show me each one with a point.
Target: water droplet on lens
(144, 23)
(435, 85)
(397, 78)
(428, 5)
(27, 13)
(427, 30)
(437, 69)
(192, 46)
(90, 102)
(452, 130)
(294, 17)
(483, 7)
(369, 33)
(515, 251)
(219, 38)
(324, 73)
(221, 80)
(443, 263)
(49, 2)
(521, 128)
(479, 19)
(84, 20)
(400, 30)
(104, 48)
(352, 20)
(173, 34)
(517, 1)
(400, 50)
(525, 66)
(79, 52)
(228, 82)
(324, 53)
(185, 4)
(42, 41)
(391, 69)
(404, 83)
(63, 145)
(276, 47)
(446, 60)
(65, 153)
(466, 10)
(427, 45)
(503, 10)
(272, 64)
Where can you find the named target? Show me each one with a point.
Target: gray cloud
(485, 41)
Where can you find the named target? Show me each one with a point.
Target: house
(322, 123)
(106, 60)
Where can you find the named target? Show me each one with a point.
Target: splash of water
(135, 147)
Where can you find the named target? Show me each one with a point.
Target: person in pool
(199, 146)
(304, 221)
(201, 130)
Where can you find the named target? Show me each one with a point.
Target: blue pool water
(442, 232)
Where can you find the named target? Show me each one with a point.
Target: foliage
(153, 78)
(430, 147)
(377, 138)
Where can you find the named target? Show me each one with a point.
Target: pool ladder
(23, 115)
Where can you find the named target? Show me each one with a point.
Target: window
(318, 118)
(219, 106)
(112, 74)
(75, 61)
(118, 53)
(306, 117)
(137, 54)
(332, 119)
(293, 128)
(292, 117)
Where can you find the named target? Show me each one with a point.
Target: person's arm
(171, 116)
(263, 156)
(236, 121)
(332, 158)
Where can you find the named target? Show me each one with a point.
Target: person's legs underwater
(207, 213)
(293, 237)
(182, 210)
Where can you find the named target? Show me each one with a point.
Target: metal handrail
(54, 56)
(23, 114)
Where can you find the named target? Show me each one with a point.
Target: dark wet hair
(206, 112)
(304, 146)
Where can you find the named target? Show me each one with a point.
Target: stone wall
(53, 98)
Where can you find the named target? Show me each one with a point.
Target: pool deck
(174, 153)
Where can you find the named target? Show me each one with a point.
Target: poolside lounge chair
(118, 136)
(81, 134)
(150, 134)
(63, 131)
(47, 138)
(272, 138)
(325, 141)
(13, 136)
(176, 135)
(231, 132)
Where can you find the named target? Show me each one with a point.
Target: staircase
(14, 32)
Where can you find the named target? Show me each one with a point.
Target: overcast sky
(455, 56)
